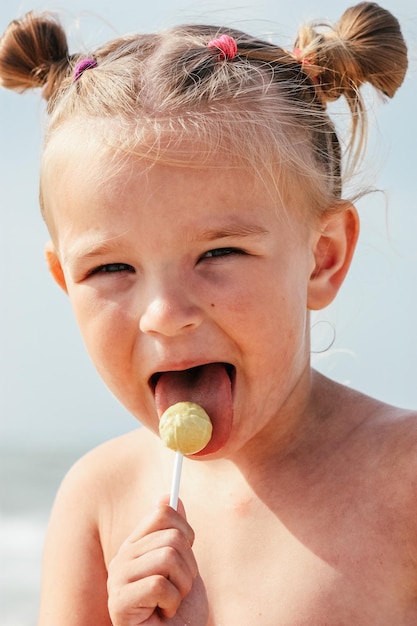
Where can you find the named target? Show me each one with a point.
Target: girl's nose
(170, 313)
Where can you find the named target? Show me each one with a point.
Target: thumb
(164, 500)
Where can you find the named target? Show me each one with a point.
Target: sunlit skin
(169, 268)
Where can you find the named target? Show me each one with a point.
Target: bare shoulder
(112, 460)
(375, 437)
(93, 501)
(92, 478)
(365, 412)
(381, 437)
(373, 445)
(108, 474)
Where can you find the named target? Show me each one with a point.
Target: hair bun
(365, 46)
(374, 40)
(33, 52)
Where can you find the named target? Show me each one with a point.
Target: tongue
(206, 385)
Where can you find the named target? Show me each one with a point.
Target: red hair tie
(226, 45)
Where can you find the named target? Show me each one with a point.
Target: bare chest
(273, 574)
(330, 552)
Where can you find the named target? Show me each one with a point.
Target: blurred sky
(49, 391)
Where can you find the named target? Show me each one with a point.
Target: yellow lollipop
(185, 427)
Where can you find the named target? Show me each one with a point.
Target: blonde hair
(266, 107)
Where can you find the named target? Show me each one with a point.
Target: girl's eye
(112, 268)
(221, 252)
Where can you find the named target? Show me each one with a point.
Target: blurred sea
(29, 479)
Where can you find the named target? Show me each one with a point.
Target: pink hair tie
(226, 45)
(81, 66)
(307, 65)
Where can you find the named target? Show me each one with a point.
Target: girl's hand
(153, 579)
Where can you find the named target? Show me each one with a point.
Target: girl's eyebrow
(89, 249)
(86, 250)
(234, 230)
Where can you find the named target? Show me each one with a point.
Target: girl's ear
(333, 250)
(54, 265)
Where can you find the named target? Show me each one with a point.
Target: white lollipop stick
(175, 486)
(186, 428)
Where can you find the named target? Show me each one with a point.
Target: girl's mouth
(209, 385)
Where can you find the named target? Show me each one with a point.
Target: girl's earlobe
(54, 265)
(333, 252)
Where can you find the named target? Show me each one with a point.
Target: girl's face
(171, 268)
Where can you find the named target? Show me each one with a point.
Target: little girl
(191, 183)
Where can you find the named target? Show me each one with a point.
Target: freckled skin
(307, 515)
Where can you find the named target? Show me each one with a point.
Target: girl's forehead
(102, 147)
(90, 171)
(87, 160)
(93, 153)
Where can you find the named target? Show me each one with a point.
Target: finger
(180, 507)
(159, 593)
(141, 599)
(165, 552)
(162, 518)
(170, 561)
